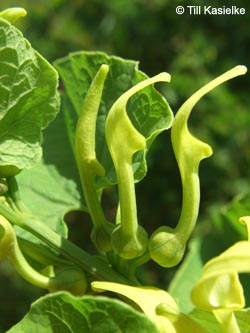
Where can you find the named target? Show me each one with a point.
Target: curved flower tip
(13, 14)
(119, 128)
(183, 142)
(242, 69)
(147, 298)
(246, 220)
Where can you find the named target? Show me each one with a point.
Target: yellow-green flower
(157, 304)
(219, 288)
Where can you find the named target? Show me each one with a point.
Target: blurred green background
(194, 49)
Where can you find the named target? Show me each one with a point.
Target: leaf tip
(246, 220)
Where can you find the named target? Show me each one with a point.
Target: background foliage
(193, 49)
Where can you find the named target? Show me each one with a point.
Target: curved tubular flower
(71, 278)
(157, 304)
(219, 289)
(88, 165)
(167, 245)
(129, 239)
(9, 248)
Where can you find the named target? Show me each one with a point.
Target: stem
(79, 257)
(190, 206)
(41, 253)
(135, 263)
(91, 196)
(127, 199)
(140, 261)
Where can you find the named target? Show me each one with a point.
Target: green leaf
(228, 217)
(148, 110)
(243, 319)
(29, 98)
(47, 204)
(64, 313)
(188, 273)
(207, 320)
(50, 189)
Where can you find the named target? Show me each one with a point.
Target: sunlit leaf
(28, 98)
(64, 313)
